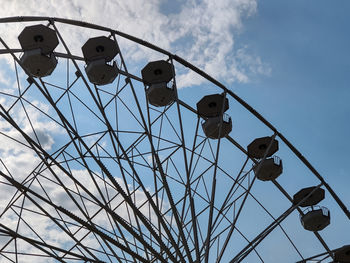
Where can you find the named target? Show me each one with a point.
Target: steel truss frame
(171, 230)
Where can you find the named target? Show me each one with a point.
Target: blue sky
(288, 59)
(306, 95)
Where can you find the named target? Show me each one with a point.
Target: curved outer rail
(198, 71)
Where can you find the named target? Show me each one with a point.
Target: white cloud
(212, 27)
(251, 63)
(20, 161)
(3, 79)
(202, 32)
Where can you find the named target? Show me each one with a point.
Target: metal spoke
(96, 172)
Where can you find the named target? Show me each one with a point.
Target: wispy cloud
(202, 32)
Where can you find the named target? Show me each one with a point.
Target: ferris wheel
(108, 159)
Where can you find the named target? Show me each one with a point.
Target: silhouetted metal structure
(128, 175)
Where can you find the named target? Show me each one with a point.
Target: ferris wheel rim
(197, 70)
